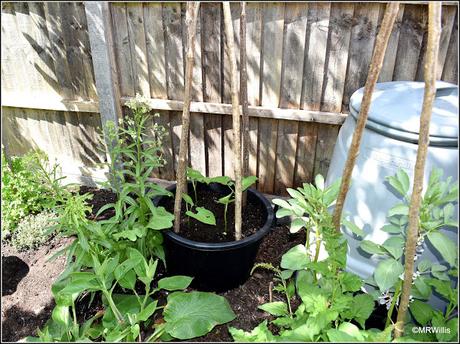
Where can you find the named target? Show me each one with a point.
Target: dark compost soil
(253, 217)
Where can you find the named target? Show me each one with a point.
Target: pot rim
(210, 246)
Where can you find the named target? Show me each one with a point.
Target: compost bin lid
(396, 107)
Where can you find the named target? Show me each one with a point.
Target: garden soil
(27, 278)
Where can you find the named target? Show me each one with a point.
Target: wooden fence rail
(304, 62)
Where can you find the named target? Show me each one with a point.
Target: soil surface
(26, 287)
(254, 216)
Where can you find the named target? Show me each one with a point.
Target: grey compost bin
(390, 142)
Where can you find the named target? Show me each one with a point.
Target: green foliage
(135, 151)
(29, 185)
(436, 212)
(31, 230)
(328, 293)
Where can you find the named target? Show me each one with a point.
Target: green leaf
(148, 311)
(337, 336)
(421, 290)
(392, 229)
(295, 259)
(421, 312)
(187, 199)
(362, 307)
(395, 246)
(350, 282)
(138, 231)
(260, 334)
(396, 184)
(424, 265)
(161, 219)
(203, 215)
(448, 211)
(190, 315)
(331, 192)
(387, 273)
(248, 181)
(61, 315)
(128, 281)
(403, 179)
(319, 181)
(296, 225)
(371, 247)
(281, 203)
(276, 308)
(444, 246)
(174, 283)
(399, 209)
(353, 228)
(224, 180)
(195, 175)
(282, 212)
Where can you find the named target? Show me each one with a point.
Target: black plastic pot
(215, 266)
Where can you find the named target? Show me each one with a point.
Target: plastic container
(389, 142)
(216, 266)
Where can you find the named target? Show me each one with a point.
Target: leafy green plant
(134, 154)
(30, 184)
(328, 294)
(31, 231)
(186, 315)
(436, 212)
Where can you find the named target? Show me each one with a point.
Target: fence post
(104, 64)
(101, 42)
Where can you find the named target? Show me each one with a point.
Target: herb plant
(30, 184)
(32, 230)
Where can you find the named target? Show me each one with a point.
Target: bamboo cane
(381, 43)
(431, 57)
(244, 95)
(190, 22)
(236, 118)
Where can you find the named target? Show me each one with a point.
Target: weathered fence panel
(304, 62)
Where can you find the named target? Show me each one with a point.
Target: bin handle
(442, 91)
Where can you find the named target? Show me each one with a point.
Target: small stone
(257, 275)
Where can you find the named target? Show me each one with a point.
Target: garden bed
(27, 279)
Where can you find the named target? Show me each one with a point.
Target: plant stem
(434, 33)
(225, 216)
(393, 303)
(374, 70)
(114, 308)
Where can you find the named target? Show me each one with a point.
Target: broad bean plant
(436, 212)
(330, 308)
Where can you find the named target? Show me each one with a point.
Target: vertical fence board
(450, 70)
(388, 66)
(411, 35)
(272, 47)
(211, 16)
(360, 50)
(122, 49)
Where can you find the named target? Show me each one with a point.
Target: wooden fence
(304, 62)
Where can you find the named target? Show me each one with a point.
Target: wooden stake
(190, 22)
(244, 95)
(434, 33)
(381, 43)
(236, 117)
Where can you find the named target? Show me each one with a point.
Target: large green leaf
(361, 308)
(421, 311)
(175, 282)
(371, 247)
(353, 227)
(190, 315)
(387, 273)
(295, 259)
(444, 246)
(399, 209)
